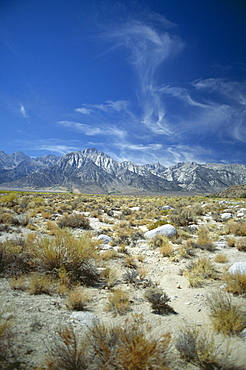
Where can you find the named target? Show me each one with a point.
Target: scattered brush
(126, 347)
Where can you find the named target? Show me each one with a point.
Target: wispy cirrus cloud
(108, 107)
(90, 130)
(148, 49)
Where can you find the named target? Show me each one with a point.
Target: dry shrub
(67, 352)
(183, 217)
(235, 283)
(167, 250)
(78, 299)
(41, 284)
(159, 301)
(125, 347)
(76, 256)
(16, 258)
(74, 221)
(159, 241)
(236, 228)
(7, 337)
(226, 317)
(241, 244)
(118, 302)
(110, 277)
(198, 347)
(198, 271)
(203, 240)
(19, 283)
(221, 258)
(123, 232)
(231, 241)
(130, 262)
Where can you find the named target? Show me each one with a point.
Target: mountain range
(91, 171)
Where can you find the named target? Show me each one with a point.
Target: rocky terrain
(76, 261)
(236, 191)
(91, 171)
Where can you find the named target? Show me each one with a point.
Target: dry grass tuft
(78, 299)
(241, 244)
(198, 271)
(118, 302)
(221, 258)
(235, 283)
(226, 317)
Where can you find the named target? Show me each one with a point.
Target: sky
(142, 80)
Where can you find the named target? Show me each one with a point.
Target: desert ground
(83, 284)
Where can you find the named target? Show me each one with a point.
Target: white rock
(105, 247)
(104, 238)
(238, 268)
(226, 216)
(193, 227)
(166, 230)
(240, 214)
(166, 207)
(85, 318)
(220, 244)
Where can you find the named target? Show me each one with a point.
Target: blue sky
(146, 81)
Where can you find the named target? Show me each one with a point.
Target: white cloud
(82, 127)
(90, 130)
(23, 111)
(108, 106)
(59, 149)
(83, 110)
(148, 49)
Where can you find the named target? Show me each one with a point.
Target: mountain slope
(94, 171)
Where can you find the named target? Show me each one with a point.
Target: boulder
(166, 230)
(226, 216)
(238, 268)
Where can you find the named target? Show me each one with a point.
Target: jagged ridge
(94, 171)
